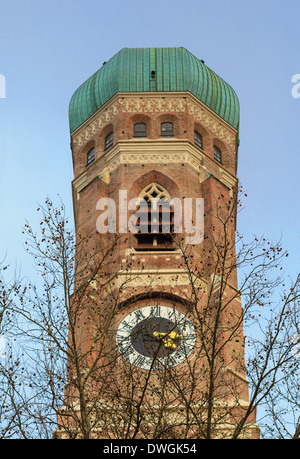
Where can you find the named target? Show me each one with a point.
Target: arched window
(217, 154)
(156, 222)
(109, 140)
(90, 157)
(198, 139)
(167, 130)
(140, 130)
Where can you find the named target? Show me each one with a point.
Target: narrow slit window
(140, 130)
(109, 140)
(167, 130)
(217, 154)
(198, 139)
(90, 157)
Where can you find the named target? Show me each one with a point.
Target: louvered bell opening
(156, 226)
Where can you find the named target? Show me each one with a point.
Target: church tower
(158, 328)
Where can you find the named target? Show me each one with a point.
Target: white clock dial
(155, 337)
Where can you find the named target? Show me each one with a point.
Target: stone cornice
(151, 278)
(167, 151)
(163, 151)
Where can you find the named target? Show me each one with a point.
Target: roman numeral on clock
(139, 361)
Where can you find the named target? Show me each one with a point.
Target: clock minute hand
(171, 335)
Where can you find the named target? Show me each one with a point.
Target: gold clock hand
(158, 334)
(167, 338)
(171, 335)
(169, 343)
(174, 335)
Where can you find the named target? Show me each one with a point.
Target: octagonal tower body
(158, 120)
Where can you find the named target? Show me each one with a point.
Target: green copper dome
(154, 70)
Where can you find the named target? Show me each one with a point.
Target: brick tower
(159, 328)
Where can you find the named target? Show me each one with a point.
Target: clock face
(155, 337)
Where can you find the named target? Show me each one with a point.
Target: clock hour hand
(167, 338)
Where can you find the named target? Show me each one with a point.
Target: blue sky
(48, 48)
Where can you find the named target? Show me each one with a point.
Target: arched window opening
(167, 130)
(198, 139)
(156, 222)
(140, 130)
(217, 154)
(90, 157)
(109, 140)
